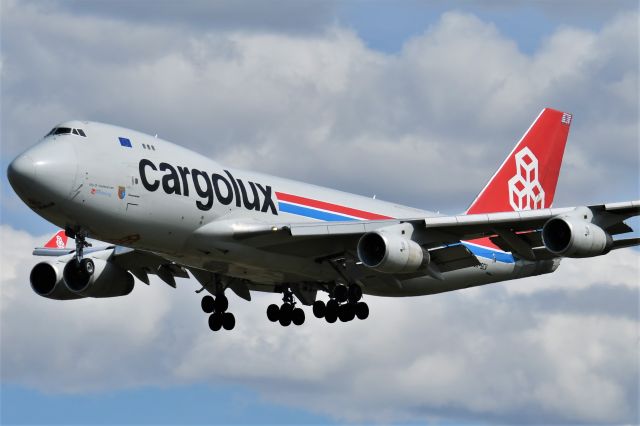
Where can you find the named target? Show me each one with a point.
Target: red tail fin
(57, 241)
(527, 179)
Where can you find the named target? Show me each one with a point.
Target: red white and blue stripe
(321, 210)
(483, 247)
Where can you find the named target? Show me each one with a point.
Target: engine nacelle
(46, 281)
(571, 237)
(107, 279)
(391, 253)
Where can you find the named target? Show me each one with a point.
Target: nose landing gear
(84, 267)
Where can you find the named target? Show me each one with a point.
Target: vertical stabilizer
(58, 241)
(527, 178)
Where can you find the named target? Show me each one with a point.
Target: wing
(518, 232)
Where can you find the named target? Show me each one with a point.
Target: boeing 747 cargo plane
(162, 209)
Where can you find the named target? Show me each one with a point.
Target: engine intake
(569, 237)
(106, 280)
(46, 281)
(391, 253)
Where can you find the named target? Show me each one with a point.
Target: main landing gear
(286, 313)
(217, 308)
(344, 304)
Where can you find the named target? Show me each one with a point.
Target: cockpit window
(66, 131)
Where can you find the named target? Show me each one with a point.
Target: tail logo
(525, 191)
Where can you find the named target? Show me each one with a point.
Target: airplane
(162, 209)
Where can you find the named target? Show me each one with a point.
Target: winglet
(58, 241)
(527, 178)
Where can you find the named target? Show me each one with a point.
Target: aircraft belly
(235, 260)
(488, 272)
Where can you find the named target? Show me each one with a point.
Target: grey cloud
(426, 127)
(417, 127)
(539, 350)
(287, 16)
(603, 299)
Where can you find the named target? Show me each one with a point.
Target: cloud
(286, 16)
(560, 348)
(426, 126)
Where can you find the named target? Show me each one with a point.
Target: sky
(415, 102)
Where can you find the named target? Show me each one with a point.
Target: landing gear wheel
(87, 267)
(346, 312)
(222, 303)
(319, 308)
(285, 314)
(207, 304)
(341, 293)
(350, 311)
(273, 312)
(331, 316)
(355, 293)
(362, 310)
(332, 308)
(297, 316)
(215, 321)
(228, 321)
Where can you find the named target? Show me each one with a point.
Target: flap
(453, 257)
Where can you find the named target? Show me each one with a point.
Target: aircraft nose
(45, 173)
(21, 172)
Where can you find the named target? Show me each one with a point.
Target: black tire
(273, 312)
(341, 293)
(355, 293)
(297, 316)
(87, 267)
(207, 304)
(286, 309)
(362, 310)
(222, 303)
(319, 309)
(215, 321)
(331, 317)
(346, 312)
(285, 314)
(332, 308)
(350, 311)
(228, 321)
(285, 320)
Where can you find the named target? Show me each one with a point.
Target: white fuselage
(135, 190)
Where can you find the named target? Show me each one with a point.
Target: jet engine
(97, 278)
(46, 281)
(389, 252)
(571, 237)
